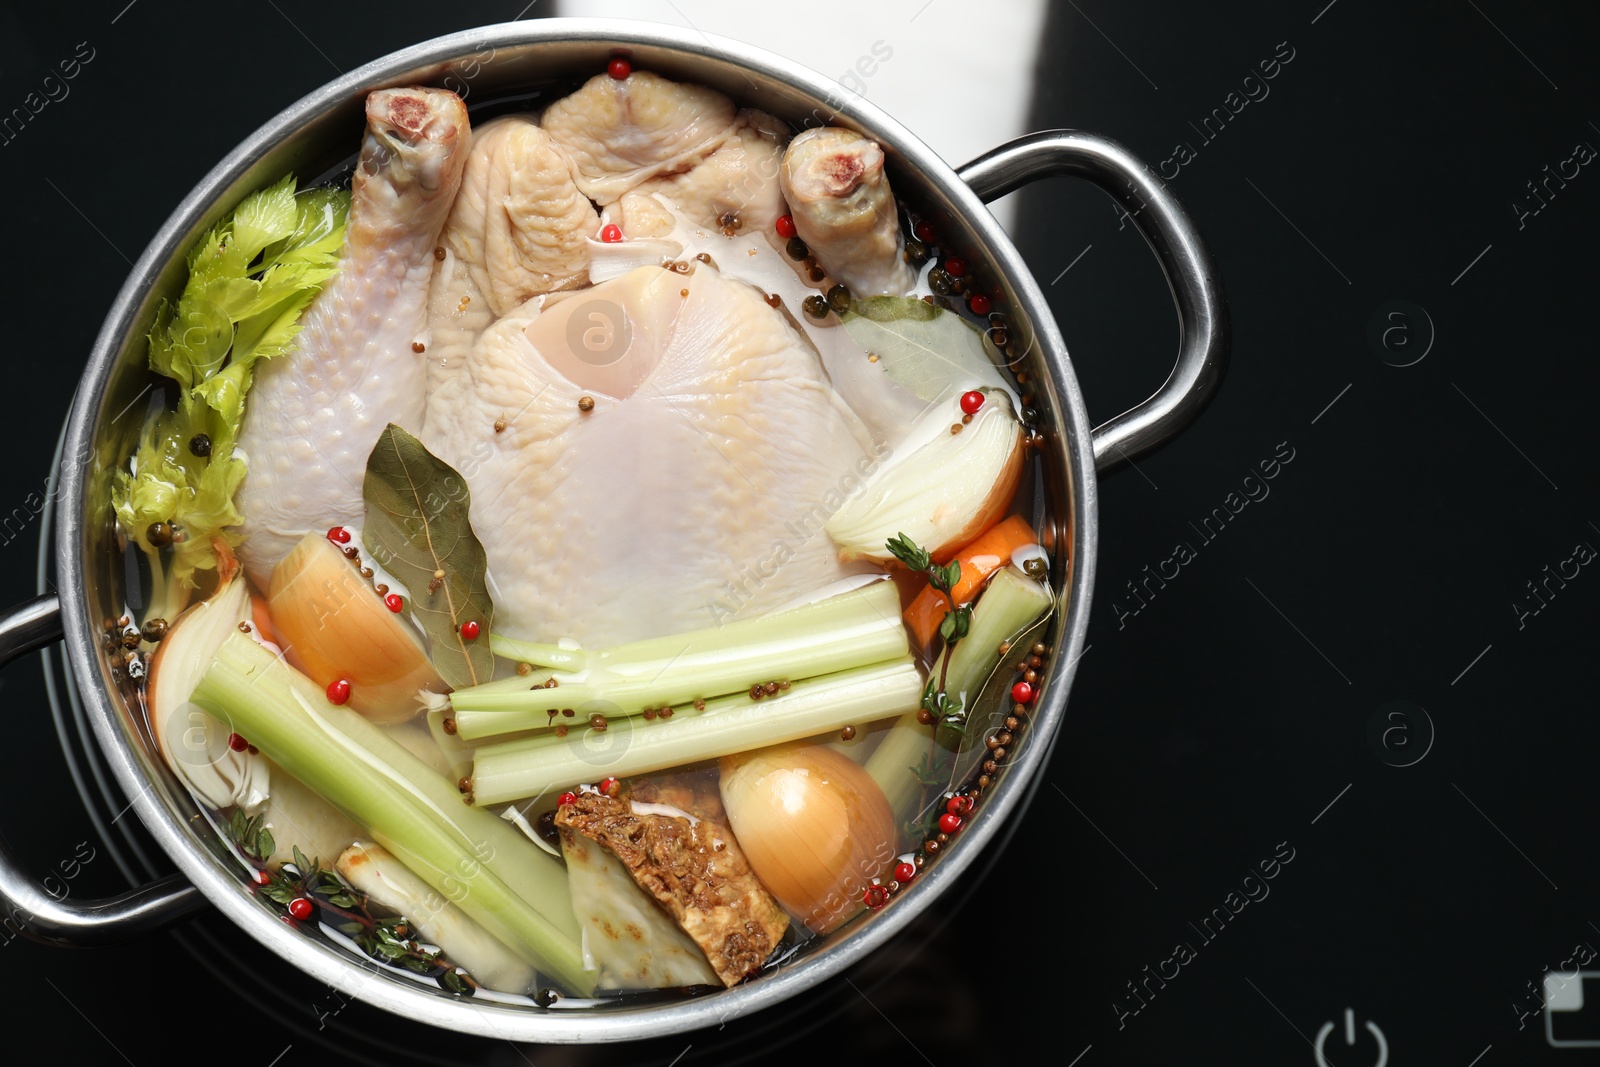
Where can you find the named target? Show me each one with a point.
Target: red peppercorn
(237, 743)
(785, 226)
(395, 602)
(566, 798)
(338, 691)
(955, 266)
(469, 630)
(875, 896)
(1022, 693)
(261, 877)
(610, 787)
(971, 402)
(949, 823)
(611, 233)
(339, 535)
(619, 68)
(904, 872)
(925, 232)
(958, 805)
(978, 304)
(301, 908)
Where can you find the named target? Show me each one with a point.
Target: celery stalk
(462, 852)
(840, 633)
(552, 656)
(1010, 605)
(730, 724)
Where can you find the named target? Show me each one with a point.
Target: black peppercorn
(796, 248)
(200, 445)
(815, 306)
(547, 828)
(839, 299)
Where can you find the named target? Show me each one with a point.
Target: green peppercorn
(200, 445)
(815, 306)
(1035, 568)
(940, 280)
(796, 248)
(916, 252)
(159, 534)
(839, 299)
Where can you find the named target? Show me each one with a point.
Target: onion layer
(814, 826)
(332, 626)
(954, 481)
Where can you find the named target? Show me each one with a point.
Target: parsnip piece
(387, 883)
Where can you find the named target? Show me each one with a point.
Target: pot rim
(1071, 450)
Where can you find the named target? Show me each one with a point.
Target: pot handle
(1190, 272)
(28, 908)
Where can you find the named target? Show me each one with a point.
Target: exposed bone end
(415, 136)
(839, 198)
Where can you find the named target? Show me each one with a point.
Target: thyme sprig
(947, 710)
(390, 940)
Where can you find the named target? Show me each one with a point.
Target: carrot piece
(980, 559)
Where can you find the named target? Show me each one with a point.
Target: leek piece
(840, 633)
(515, 769)
(463, 852)
(1010, 605)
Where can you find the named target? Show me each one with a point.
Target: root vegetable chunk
(677, 847)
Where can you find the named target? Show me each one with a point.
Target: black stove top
(1327, 780)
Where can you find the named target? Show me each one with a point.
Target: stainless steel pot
(317, 135)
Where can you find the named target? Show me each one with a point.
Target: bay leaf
(416, 528)
(927, 350)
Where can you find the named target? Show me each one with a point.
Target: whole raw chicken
(648, 455)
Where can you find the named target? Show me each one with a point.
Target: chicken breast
(314, 415)
(620, 133)
(668, 450)
(839, 198)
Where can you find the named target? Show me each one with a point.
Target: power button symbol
(1350, 1039)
